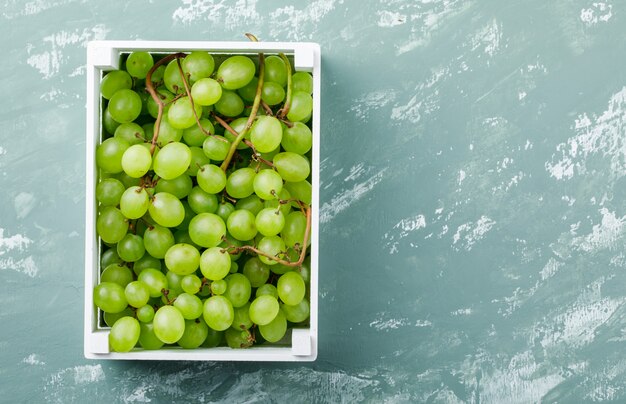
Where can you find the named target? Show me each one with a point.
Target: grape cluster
(204, 200)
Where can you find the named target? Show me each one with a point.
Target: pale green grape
(157, 240)
(166, 210)
(202, 202)
(219, 287)
(109, 297)
(274, 246)
(241, 183)
(198, 159)
(267, 184)
(213, 339)
(267, 289)
(191, 284)
(272, 93)
(216, 147)
(117, 273)
(189, 214)
(275, 70)
(113, 81)
(301, 191)
(206, 91)
(137, 294)
(230, 104)
(109, 257)
(238, 126)
(241, 225)
(238, 290)
(218, 313)
(291, 256)
(207, 230)
(109, 191)
(275, 330)
(190, 306)
(211, 179)
(248, 92)
(291, 166)
(109, 155)
(111, 225)
(230, 241)
(283, 195)
(136, 161)
(264, 309)
(297, 313)
(238, 338)
(266, 134)
(294, 229)
(242, 318)
(235, 72)
(194, 136)
(111, 318)
(250, 203)
(165, 96)
(130, 132)
(182, 259)
(269, 221)
(172, 160)
(179, 186)
(198, 65)
(173, 282)
(128, 181)
(181, 114)
(301, 106)
(172, 78)
(302, 81)
(134, 202)
(215, 263)
(130, 248)
(291, 288)
(169, 324)
(256, 271)
(124, 334)
(147, 261)
(297, 139)
(195, 334)
(147, 338)
(145, 314)
(155, 280)
(125, 106)
(168, 133)
(224, 210)
(305, 270)
(139, 64)
(109, 124)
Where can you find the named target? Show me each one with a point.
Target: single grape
(219, 287)
(218, 313)
(224, 210)
(173, 282)
(302, 81)
(291, 166)
(267, 184)
(266, 134)
(238, 126)
(275, 330)
(169, 324)
(109, 155)
(155, 280)
(166, 210)
(189, 214)
(125, 106)
(109, 191)
(130, 132)
(181, 113)
(248, 92)
(275, 70)
(172, 160)
(297, 313)
(198, 65)
(147, 261)
(211, 179)
(267, 289)
(291, 288)
(283, 195)
(128, 181)
(216, 147)
(272, 93)
(195, 334)
(305, 270)
(172, 78)
(270, 221)
(238, 291)
(145, 314)
(168, 133)
(264, 309)
(242, 320)
(241, 183)
(215, 263)
(130, 248)
(111, 318)
(301, 191)
(182, 259)
(109, 124)
(109, 257)
(124, 334)
(117, 273)
(301, 106)
(139, 64)
(230, 104)
(213, 339)
(179, 186)
(190, 306)
(147, 338)
(191, 284)
(194, 136)
(256, 271)
(165, 96)
(238, 338)
(202, 202)
(241, 225)
(235, 72)
(207, 230)
(294, 229)
(198, 159)
(273, 246)
(136, 160)
(251, 203)
(206, 91)
(113, 81)
(134, 202)
(157, 240)
(109, 297)
(137, 294)
(297, 138)
(111, 225)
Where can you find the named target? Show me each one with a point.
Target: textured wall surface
(472, 204)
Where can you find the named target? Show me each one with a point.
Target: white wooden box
(105, 55)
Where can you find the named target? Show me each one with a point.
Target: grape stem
(155, 96)
(268, 110)
(255, 155)
(285, 109)
(188, 91)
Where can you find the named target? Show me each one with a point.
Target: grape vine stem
(248, 143)
(285, 109)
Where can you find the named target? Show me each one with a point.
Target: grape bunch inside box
(202, 199)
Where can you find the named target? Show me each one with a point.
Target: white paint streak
(88, 374)
(16, 242)
(403, 228)
(33, 359)
(468, 234)
(25, 266)
(598, 12)
(487, 39)
(604, 235)
(363, 106)
(390, 18)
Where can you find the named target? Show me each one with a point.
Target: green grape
(130, 248)
(137, 293)
(169, 296)
(206, 91)
(191, 284)
(109, 257)
(190, 306)
(167, 133)
(111, 318)
(111, 225)
(182, 236)
(229, 104)
(235, 72)
(195, 334)
(239, 290)
(230, 241)
(155, 280)
(305, 270)
(124, 334)
(256, 271)
(291, 288)
(128, 181)
(109, 155)
(166, 210)
(241, 225)
(216, 147)
(173, 282)
(213, 339)
(109, 124)
(291, 166)
(241, 183)
(130, 132)
(157, 240)
(125, 106)
(172, 160)
(109, 191)
(198, 65)
(179, 186)
(224, 210)
(145, 314)
(264, 309)
(205, 290)
(219, 287)
(211, 179)
(269, 221)
(147, 261)
(117, 273)
(194, 136)
(283, 195)
(215, 263)
(238, 126)
(297, 313)
(297, 139)
(267, 184)
(145, 96)
(272, 93)
(181, 114)
(172, 78)
(294, 229)
(301, 191)
(136, 160)
(207, 230)
(251, 203)
(218, 313)
(234, 267)
(302, 81)
(248, 92)
(273, 246)
(242, 318)
(189, 214)
(267, 289)
(147, 338)
(291, 256)
(301, 107)
(113, 81)
(202, 202)
(182, 259)
(165, 96)
(139, 64)
(109, 297)
(275, 70)
(266, 134)
(134, 202)
(238, 338)
(276, 329)
(169, 324)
